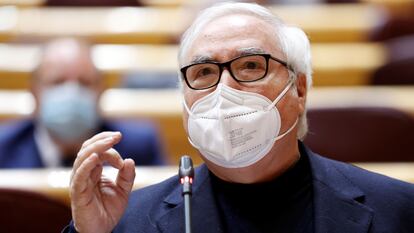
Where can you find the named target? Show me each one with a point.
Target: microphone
(186, 174)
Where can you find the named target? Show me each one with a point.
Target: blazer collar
(338, 203)
(205, 217)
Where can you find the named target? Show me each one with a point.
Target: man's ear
(301, 89)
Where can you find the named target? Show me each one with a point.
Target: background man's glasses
(246, 68)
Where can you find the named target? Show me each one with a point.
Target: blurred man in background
(66, 86)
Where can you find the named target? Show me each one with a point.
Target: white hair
(292, 41)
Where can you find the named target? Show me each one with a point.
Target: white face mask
(234, 128)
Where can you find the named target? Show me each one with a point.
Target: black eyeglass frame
(227, 65)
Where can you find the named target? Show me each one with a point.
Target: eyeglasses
(247, 68)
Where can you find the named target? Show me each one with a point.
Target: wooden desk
(164, 107)
(22, 3)
(332, 22)
(98, 24)
(322, 22)
(39, 3)
(55, 182)
(334, 64)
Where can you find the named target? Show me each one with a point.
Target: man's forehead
(78, 63)
(230, 26)
(68, 69)
(233, 35)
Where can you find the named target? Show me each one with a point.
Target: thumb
(126, 176)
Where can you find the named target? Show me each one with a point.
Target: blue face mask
(69, 112)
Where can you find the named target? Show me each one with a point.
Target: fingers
(100, 136)
(110, 156)
(87, 197)
(96, 174)
(97, 144)
(126, 176)
(80, 180)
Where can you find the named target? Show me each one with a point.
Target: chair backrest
(393, 25)
(28, 211)
(399, 69)
(357, 134)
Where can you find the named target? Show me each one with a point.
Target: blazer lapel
(204, 214)
(338, 204)
(339, 214)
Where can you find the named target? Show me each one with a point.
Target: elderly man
(245, 78)
(67, 86)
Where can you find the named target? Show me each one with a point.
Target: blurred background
(360, 109)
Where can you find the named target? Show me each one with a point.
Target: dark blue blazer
(140, 142)
(347, 199)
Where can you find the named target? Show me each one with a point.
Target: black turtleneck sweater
(282, 205)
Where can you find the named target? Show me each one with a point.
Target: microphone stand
(186, 174)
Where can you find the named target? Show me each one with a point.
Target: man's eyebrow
(241, 52)
(251, 50)
(201, 59)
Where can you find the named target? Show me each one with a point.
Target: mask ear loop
(291, 81)
(287, 131)
(185, 106)
(288, 86)
(190, 114)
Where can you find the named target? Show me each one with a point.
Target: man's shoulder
(15, 128)
(155, 192)
(367, 180)
(17, 145)
(16, 132)
(388, 197)
(389, 201)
